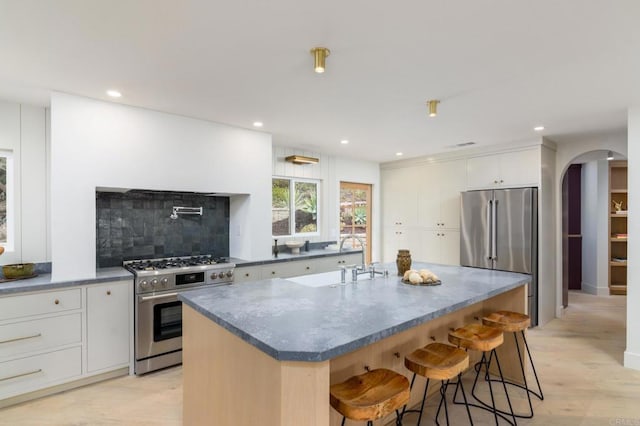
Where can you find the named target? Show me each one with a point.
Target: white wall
(331, 171)
(23, 134)
(594, 224)
(100, 144)
(632, 353)
(547, 229)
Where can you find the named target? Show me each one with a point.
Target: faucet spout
(361, 243)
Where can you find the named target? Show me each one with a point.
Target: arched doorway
(587, 226)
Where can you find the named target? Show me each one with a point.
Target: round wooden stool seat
(371, 395)
(476, 337)
(437, 361)
(507, 321)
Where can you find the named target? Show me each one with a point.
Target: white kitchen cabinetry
(439, 195)
(440, 246)
(399, 195)
(247, 273)
(52, 339)
(397, 238)
(40, 340)
(504, 170)
(333, 263)
(108, 325)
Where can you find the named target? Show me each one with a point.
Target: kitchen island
(266, 352)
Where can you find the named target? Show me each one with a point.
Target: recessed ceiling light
(258, 124)
(399, 154)
(538, 128)
(114, 93)
(344, 141)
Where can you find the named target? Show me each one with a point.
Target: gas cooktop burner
(175, 262)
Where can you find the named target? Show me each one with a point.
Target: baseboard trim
(63, 387)
(595, 290)
(631, 360)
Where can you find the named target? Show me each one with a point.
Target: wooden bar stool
(478, 337)
(370, 396)
(442, 362)
(514, 322)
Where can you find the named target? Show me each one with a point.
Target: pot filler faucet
(358, 269)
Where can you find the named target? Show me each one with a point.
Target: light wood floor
(579, 360)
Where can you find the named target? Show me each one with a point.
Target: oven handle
(159, 296)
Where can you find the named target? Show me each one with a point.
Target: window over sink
(294, 206)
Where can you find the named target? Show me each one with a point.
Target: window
(299, 197)
(6, 200)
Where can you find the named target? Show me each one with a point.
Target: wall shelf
(618, 193)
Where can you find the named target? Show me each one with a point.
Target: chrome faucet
(363, 265)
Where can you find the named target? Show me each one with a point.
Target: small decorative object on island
(618, 206)
(403, 261)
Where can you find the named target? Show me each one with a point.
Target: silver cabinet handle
(159, 296)
(21, 375)
(17, 339)
(494, 232)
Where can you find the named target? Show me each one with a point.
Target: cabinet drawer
(39, 303)
(36, 372)
(40, 334)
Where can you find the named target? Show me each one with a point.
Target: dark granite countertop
(288, 257)
(44, 282)
(315, 320)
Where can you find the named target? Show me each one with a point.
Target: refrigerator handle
(490, 233)
(494, 231)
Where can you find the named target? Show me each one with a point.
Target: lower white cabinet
(247, 273)
(40, 334)
(39, 371)
(108, 325)
(51, 338)
(293, 268)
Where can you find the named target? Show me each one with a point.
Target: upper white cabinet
(400, 195)
(439, 195)
(504, 170)
(108, 325)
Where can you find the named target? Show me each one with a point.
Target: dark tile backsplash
(136, 225)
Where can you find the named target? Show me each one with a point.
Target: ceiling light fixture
(319, 56)
(433, 107)
(609, 156)
(398, 154)
(258, 124)
(344, 141)
(538, 128)
(300, 159)
(114, 93)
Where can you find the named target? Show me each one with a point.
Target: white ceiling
(499, 67)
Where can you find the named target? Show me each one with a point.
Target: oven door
(158, 324)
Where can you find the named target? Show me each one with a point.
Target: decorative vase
(403, 261)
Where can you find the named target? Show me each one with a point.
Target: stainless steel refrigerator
(499, 230)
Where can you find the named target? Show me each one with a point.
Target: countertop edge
(43, 282)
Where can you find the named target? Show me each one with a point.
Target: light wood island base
(229, 382)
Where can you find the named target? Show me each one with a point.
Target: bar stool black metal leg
(424, 398)
(369, 423)
(533, 367)
(443, 401)
(398, 418)
(343, 420)
(504, 385)
(464, 396)
(524, 377)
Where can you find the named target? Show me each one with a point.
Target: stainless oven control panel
(161, 281)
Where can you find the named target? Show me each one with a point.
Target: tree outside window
(304, 204)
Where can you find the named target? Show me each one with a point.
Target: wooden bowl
(18, 270)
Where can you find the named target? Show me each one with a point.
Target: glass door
(355, 216)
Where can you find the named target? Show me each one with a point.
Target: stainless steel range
(158, 312)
